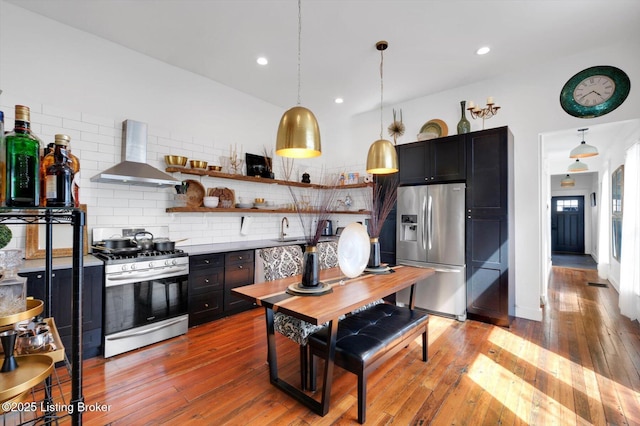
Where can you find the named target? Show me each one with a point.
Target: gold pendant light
(382, 157)
(298, 132)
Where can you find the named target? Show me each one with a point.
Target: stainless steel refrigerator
(430, 232)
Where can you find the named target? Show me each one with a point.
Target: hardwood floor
(580, 365)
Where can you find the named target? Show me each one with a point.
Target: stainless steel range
(145, 290)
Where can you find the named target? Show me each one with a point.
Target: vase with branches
(383, 198)
(313, 208)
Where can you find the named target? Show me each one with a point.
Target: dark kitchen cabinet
(206, 288)
(238, 271)
(61, 295)
(211, 278)
(490, 227)
(433, 161)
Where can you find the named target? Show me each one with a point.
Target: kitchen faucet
(282, 233)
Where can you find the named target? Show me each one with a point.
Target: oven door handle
(144, 275)
(145, 331)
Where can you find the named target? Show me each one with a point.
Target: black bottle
(59, 175)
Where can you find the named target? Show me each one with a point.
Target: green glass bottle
(3, 152)
(22, 163)
(463, 125)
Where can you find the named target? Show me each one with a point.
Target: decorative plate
(195, 193)
(353, 250)
(436, 125)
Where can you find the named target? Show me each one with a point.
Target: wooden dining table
(347, 294)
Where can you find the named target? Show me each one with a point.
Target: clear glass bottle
(59, 176)
(74, 163)
(46, 161)
(22, 162)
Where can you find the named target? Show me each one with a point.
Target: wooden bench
(368, 338)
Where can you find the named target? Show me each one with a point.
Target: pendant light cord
(381, 88)
(299, 45)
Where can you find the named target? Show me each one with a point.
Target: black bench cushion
(366, 333)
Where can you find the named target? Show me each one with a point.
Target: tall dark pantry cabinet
(489, 212)
(483, 160)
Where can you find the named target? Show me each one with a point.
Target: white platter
(353, 250)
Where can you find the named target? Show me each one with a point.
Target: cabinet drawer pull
(206, 261)
(206, 305)
(206, 280)
(240, 266)
(240, 257)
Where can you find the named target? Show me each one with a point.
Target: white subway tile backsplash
(56, 111)
(110, 131)
(95, 119)
(80, 125)
(97, 141)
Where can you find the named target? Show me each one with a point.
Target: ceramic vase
(310, 267)
(463, 125)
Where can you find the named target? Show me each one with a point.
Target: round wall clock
(595, 91)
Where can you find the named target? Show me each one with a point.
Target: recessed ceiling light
(483, 50)
(339, 100)
(262, 60)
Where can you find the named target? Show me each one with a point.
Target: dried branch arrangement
(312, 206)
(268, 159)
(384, 196)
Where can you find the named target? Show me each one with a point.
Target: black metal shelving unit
(77, 219)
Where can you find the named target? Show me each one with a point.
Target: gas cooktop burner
(138, 256)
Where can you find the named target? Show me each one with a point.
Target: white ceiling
(432, 44)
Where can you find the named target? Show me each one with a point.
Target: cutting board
(223, 194)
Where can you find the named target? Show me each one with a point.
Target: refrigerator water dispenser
(409, 227)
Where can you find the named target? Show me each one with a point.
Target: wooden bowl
(198, 164)
(175, 160)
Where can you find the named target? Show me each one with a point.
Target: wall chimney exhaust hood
(133, 169)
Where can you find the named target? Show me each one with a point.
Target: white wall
(73, 79)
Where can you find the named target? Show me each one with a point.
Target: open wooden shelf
(256, 179)
(238, 210)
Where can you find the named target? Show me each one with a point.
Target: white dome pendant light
(382, 157)
(568, 181)
(577, 167)
(584, 149)
(298, 132)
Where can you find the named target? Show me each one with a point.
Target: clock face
(595, 91)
